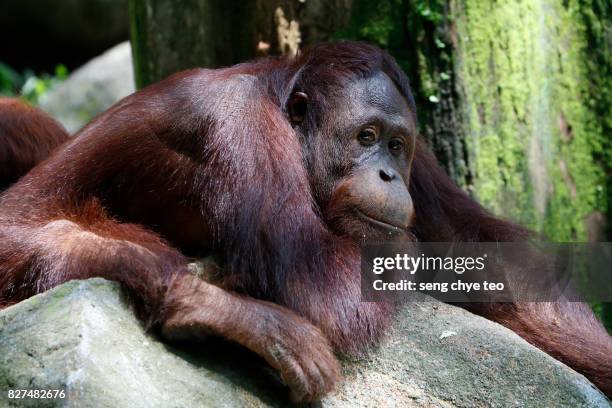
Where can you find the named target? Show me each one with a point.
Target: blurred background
(514, 96)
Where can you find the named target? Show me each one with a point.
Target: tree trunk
(170, 36)
(536, 140)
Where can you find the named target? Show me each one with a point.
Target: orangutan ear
(297, 107)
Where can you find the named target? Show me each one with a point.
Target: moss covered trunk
(535, 135)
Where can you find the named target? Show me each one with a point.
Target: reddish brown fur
(27, 136)
(176, 168)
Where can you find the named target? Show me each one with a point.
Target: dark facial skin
(360, 158)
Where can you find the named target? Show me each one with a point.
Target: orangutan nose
(387, 175)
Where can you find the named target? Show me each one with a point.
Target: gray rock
(91, 89)
(81, 337)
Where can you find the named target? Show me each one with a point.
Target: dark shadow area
(39, 34)
(241, 367)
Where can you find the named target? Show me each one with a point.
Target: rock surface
(81, 337)
(91, 89)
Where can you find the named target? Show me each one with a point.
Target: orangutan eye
(396, 145)
(367, 136)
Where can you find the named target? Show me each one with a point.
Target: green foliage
(9, 80)
(606, 315)
(28, 85)
(379, 22)
(603, 311)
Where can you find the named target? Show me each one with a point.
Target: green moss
(532, 134)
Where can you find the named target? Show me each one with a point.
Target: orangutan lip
(378, 223)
